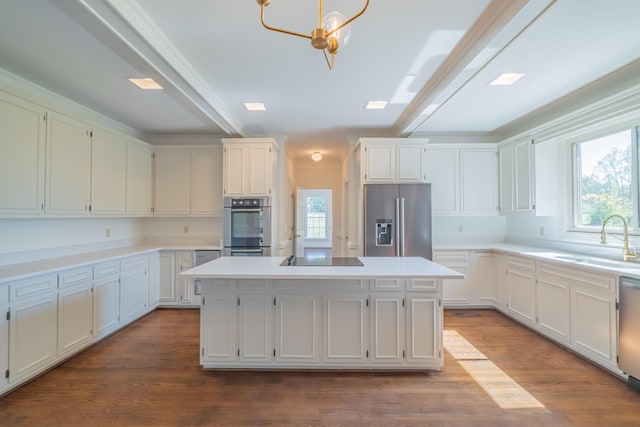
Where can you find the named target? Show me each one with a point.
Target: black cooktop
(293, 261)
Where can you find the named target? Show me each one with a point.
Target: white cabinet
(463, 179)
(218, 320)
(553, 294)
(187, 181)
(424, 318)
(175, 290)
(134, 287)
(75, 309)
(33, 326)
(22, 156)
(248, 166)
(68, 166)
(392, 160)
(154, 279)
(298, 328)
(485, 278)
(255, 323)
(172, 181)
(106, 298)
(521, 289)
(4, 335)
(108, 173)
(139, 178)
(346, 328)
(456, 292)
(387, 328)
(516, 177)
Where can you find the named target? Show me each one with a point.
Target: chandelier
(333, 30)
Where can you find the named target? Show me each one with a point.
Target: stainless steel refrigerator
(397, 220)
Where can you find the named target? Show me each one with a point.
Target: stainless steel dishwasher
(629, 318)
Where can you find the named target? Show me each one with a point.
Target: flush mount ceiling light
(506, 79)
(376, 105)
(146, 83)
(255, 106)
(316, 156)
(332, 33)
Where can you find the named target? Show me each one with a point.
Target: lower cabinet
(553, 306)
(175, 290)
(154, 279)
(4, 337)
(75, 309)
(521, 289)
(33, 326)
(456, 292)
(134, 287)
(274, 325)
(106, 298)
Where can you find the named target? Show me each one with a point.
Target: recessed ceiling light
(506, 79)
(146, 83)
(255, 106)
(376, 105)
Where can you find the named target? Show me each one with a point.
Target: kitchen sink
(598, 262)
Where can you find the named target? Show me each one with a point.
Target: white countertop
(270, 268)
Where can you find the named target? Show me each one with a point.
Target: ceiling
(432, 60)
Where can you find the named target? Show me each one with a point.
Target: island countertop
(270, 268)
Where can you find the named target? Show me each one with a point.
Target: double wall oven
(247, 226)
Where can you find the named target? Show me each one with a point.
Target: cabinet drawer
(254, 285)
(74, 277)
(106, 269)
(578, 276)
(216, 285)
(26, 288)
(387, 284)
(450, 256)
(422, 285)
(520, 263)
(134, 264)
(318, 285)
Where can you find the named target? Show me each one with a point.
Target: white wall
(24, 240)
(468, 229)
(207, 231)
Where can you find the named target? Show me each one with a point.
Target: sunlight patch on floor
(507, 393)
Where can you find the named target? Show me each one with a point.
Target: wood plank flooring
(148, 375)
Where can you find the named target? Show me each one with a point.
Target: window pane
(604, 179)
(316, 218)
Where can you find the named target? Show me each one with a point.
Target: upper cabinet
(392, 160)
(463, 179)
(187, 181)
(249, 166)
(22, 156)
(108, 173)
(139, 178)
(516, 166)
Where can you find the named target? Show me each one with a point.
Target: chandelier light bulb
(332, 21)
(316, 156)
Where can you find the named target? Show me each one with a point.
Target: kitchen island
(259, 314)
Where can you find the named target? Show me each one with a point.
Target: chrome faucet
(627, 255)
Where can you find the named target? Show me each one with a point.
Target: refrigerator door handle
(402, 235)
(398, 232)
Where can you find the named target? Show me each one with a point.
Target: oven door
(246, 227)
(247, 251)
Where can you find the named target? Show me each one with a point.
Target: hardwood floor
(148, 374)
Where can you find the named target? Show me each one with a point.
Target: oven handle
(246, 210)
(246, 250)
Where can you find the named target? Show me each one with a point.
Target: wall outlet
(542, 231)
(186, 229)
(107, 232)
(460, 229)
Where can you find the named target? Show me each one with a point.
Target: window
(604, 179)
(317, 218)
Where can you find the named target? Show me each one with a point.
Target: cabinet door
(167, 284)
(139, 178)
(594, 324)
(68, 166)
(218, 328)
(523, 161)
(441, 169)
(387, 328)
(4, 342)
(409, 165)
(553, 305)
(298, 328)
(134, 288)
(256, 327)
(424, 339)
(507, 178)
(260, 169)
(206, 182)
(106, 305)
(172, 182)
(379, 163)
(521, 284)
(186, 291)
(456, 292)
(22, 156)
(345, 328)
(154, 279)
(75, 317)
(32, 335)
(484, 276)
(108, 173)
(235, 170)
(478, 179)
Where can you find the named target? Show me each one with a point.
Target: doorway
(314, 222)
